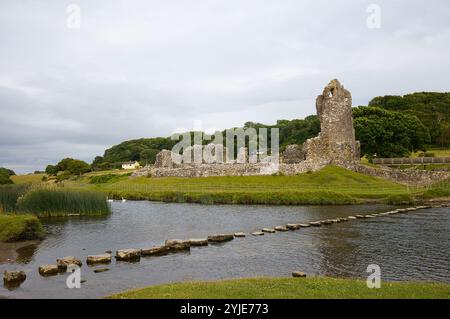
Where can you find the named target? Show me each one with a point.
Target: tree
(8, 172)
(78, 167)
(5, 178)
(52, 170)
(384, 133)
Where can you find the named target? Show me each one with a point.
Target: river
(413, 246)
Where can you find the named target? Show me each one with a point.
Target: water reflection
(415, 246)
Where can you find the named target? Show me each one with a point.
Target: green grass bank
(330, 186)
(290, 288)
(20, 227)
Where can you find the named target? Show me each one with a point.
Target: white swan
(123, 200)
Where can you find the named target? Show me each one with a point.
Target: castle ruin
(335, 145)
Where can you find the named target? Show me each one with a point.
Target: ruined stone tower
(336, 142)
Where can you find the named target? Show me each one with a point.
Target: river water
(413, 246)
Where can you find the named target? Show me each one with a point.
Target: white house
(130, 165)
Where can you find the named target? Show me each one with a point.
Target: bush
(101, 179)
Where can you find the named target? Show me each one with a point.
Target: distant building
(130, 165)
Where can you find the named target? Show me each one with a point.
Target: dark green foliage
(68, 167)
(9, 195)
(8, 172)
(5, 175)
(142, 150)
(54, 202)
(101, 179)
(384, 133)
(52, 170)
(5, 179)
(432, 109)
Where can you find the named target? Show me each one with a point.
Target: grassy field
(20, 227)
(438, 152)
(290, 288)
(27, 179)
(331, 185)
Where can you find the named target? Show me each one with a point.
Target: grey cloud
(144, 68)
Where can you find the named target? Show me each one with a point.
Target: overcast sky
(145, 68)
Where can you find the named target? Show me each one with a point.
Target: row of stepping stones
(15, 278)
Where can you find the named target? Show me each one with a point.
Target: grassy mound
(332, 185)
(289, 288)
(20, 227)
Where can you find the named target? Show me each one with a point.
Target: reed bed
(9, 194)
(60, 202)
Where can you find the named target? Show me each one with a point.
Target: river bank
(289, 288)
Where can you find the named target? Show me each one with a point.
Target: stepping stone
(258, 233)
(48, 270)
(220, 238)
(13, 279)
(199, 242)
(352, 217)
(240, 235)
(178, 244)
(316, 224)
(155, 251)
(128, 254)
(360, 216)
(298, 274)
(99, 270)
(305, 225)
(98, 259)
(281, 228)
(327, 222)
(268, 230)
(63, 263)
(293, 226)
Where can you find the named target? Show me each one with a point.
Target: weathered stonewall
(298, 274)
(155, 251)
(64, 262)
(13, 278)
(48, 270)
(128, 254)
(220, 238)
(199, 242)
(98, 259)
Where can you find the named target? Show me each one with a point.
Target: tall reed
(9, 194)
(57, 202)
